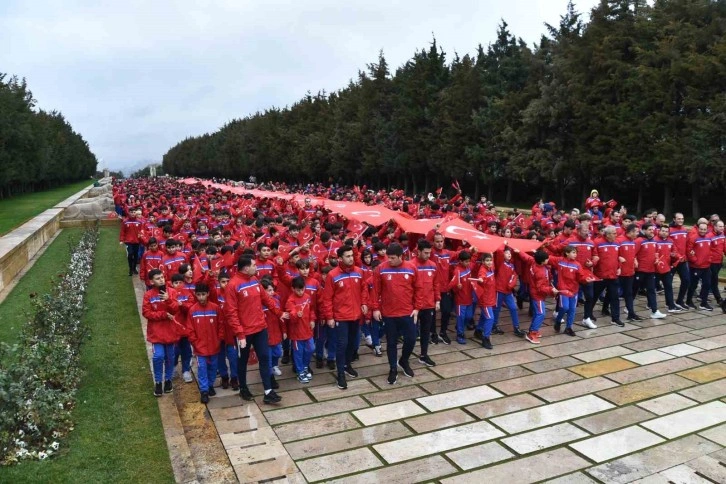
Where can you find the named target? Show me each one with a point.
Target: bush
(39, 377)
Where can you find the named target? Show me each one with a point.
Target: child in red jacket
(229, 346)
(462, 288)
(205, 329)
(276, 331)
(570, 276)
(300, 327)
(152, 259)
(159, 307)
(540, 287)
(486, 294)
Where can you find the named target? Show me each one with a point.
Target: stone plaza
(642, 403)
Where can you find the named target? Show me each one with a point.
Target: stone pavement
(643, 403)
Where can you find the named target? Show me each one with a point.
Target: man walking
(396, 302)
(343, 302)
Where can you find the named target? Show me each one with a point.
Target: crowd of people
(228, 272)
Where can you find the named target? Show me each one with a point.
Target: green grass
(39, 279)
(16, 211)
(118, 435)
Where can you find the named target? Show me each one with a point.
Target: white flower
(54, 445)
(42, 455)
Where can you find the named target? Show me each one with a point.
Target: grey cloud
(136, 77)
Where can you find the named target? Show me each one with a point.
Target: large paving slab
(653, 460)
(528, 469)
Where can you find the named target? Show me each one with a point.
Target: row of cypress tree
(632, 102)
(38, 149)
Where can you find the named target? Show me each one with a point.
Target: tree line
(632, 102)
(38, 149)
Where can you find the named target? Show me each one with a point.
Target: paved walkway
(611, 405)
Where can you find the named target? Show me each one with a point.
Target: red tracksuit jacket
(664, 254)
(645, 250)
(627, 252)
(205, 328)
(585, 248)
(698, 250)
(244, 298)
(427, 282)
(570, 275)
(486, 291)
(150, 260)
(463, 296)
(130, 229)
(718, 247)
(505, 274)
(609, 263)
(679, 234)
(298, 329)
(539, 279)
(394, 290)
(161, 329)
(344, 292)
(276, 327)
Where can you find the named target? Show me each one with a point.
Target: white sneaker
(369, 340)
(587, 322)
(276, 371)
(187, 375)
(657, 315)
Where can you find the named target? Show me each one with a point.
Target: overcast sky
(135, 77)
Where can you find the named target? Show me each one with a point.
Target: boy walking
(159, 307)
(300, 328)
(205, 329)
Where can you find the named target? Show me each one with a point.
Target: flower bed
(39, 377)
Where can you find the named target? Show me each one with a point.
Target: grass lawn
(118, 435)
(16, 211)
(39, 279)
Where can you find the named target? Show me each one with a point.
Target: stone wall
(19, 246)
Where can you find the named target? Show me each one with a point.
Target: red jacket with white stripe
(161, 329)
(679, 234)
(343, 294)
(698, 250)
(585, 248)
(205, 328)
(463, 296)
(486, 291)
(427, 282)
(718, 247)
(394, 290)
(665, 255)
(609, 263)
(539, 277)
(506, 273)
(570, 274)
(130, 229)
(627, 252)
(645, 250)
(244, 298)
(276, 327)
(298, 328)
